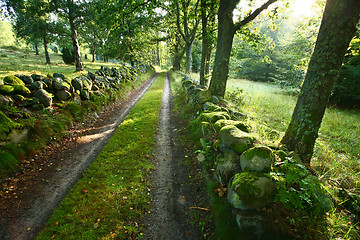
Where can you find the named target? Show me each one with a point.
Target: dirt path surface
(45, 180)
(171, 195)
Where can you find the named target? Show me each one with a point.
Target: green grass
(111, 199)
(18, 61)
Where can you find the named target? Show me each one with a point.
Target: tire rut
(27, 222)
(171, 195)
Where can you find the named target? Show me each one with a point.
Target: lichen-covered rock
(37, 85)
(84, 94)
(227, 166)
(44, 97)
(258, 158)
(6, 89)
(240, 125)
(63, 95)
(251, 190)
(233, 138)
(21, 90)
(48, 82)
(212, 117)
(13, 80)
(77, 84)
(59, 75)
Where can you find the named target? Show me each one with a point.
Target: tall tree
(187, 22)
(72, 11)
(33, 22)
(226, 31)
(208, 23)
(339, 19)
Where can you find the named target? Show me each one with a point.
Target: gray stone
(63, 95)
(257, 158)
(59, 75)
(27, 79)
(38, 107)
(37, 85)
(36, 77)
(227, 166)
(44, 97)
(4, 100)
(77, 83)
(215, 99)
(84, 94)
(251, 190)
(91, 75)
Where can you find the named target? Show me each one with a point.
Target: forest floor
(46, 179)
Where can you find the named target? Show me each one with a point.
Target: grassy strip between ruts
(113, 195)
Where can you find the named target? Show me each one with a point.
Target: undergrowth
(111, 199)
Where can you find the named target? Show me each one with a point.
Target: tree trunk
(78, 63)
(93, 55)
(47, 56)
(339, 19)
(226, 31)
(188, 50)
(36, 48)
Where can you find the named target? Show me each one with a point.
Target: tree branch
(253, 15)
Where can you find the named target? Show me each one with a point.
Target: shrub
(68, 56)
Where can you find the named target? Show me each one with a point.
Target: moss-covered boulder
(6, 90)
(21, 90)
(258, 158)
(6, 126)
(212, 117)
(59, 84)
(251, 190)
(233, 138)
(13, 80)
(44, 97)
(204, 95)
(240, 125)
(227, 165)
(211, 107)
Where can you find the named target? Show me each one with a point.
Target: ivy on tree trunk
(337, 28)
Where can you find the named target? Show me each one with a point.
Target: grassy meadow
(24, 61)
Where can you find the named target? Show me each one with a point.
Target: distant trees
(340, 19)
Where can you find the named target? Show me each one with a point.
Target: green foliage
(236, 96)
(68, 55)
(7, 37)
(346, 91)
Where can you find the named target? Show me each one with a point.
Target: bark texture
(337, 28)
